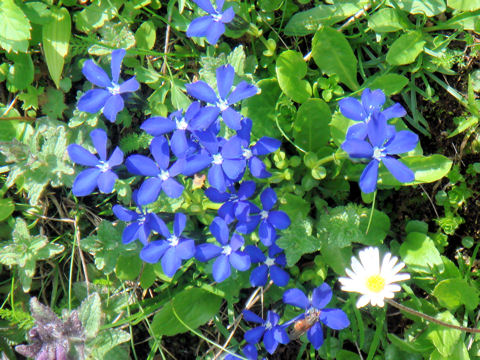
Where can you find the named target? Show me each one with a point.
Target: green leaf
(428, 8)
(338, 259)
(55, 39)
(464, 124)
(55, 104)
(114, 36)
(459, 352)
(96, 14)
(406, 48)
(444, 339)
(313, 117)
(261, 108)
(390, 83)
(6, 208)
(105, 341)
(291, 69)
(146, 35)
(340, 60)
(386, 20)
(464, 5)
(37, 12)
(20, 74)
(297, 240)
(90, 315)
(179, 99)
(418, 251)
(452, 293)
(14, 27)
(193, 306)
(128, 267)
(339, 126)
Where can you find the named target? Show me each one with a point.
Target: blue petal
(130, 233)
(80, 155)
(247, 189)
(172, 188)
(160, 151)
(242, 91)
(256, 255)
(215, 30)
(266, 145)
(93, 100)
(254, 335)
(232, 118)
(296, 297)
(227, 15)
(404, 141)
(199, 27)
(335, 319)
(236, 242)
(399, 170)
(394, 111)
(221, 268)
(196, 164)
(158, 125)
(205, 252)
(186, 249)
(352, 109)
(171, 262)
(240, 260)
(205, 5)
(95, 74)
(369, 177)
(269, 341)
(179, 143)
(315, 335)
(279, 219)
(280, 335)
(177, 167)
(143, 233)
(266, 233)
(106, 181)
(116, 64)
(112, 107)
(99, 140)
(377, 130)
(85, 182)
(232, 149)
(268, 198)
(321, 296)
(219, 230)
(141, 165)
(233, 168)
(252, 317)
(259, 276)
(130, 85)
(116, 158)
(258, 168)
(216, 178)
(202, 91)
(216, 196)
(208, 140)
(158, 225)
(279, 276)
(250, 352)
(153, 251)
(192, 111)
(357, 131)
(373, 100)
(204, 118)
(357, 148)
(124, 214)
(179, 224)
(149, 191)
(225, 76)
(245, 131)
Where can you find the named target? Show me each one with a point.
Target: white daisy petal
(362, 301)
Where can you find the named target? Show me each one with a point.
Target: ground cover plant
(210, 179)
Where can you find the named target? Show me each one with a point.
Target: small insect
(301, 326)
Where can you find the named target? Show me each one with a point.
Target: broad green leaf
(307, 22)
(392, 352)
(179, 99)
(261, 108)
(37, 12)
(406, 48)
(464, 5)
(459, 352)
(418, 251)
(390, 83)
(193, 306)
(90, 315)
(346, 355)
(297, 239)
(333, 55)
(339, 126)
(237, 59)
(428, 8)
(105, 341)
(128, 266)
(55, 39)
(465, 124)
(291, 69)
(20, 74)
(270, 5)
(14, 27)
(6, 208)
(313, 118)
(386, 20)
(452, 293)
(293, 205)
(338, 259)
(113, 36)
(96, 14)
(146, 35)
(443, 338)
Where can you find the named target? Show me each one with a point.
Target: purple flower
(172, 250)
(384, 142)
(227, 255)
(335, 319)
(272, 265)
(272, 332)
(100, 172)
(372, 102)
(249, 350)
(211, 26)
(223, 102)
(141, 222)
(109, 98)
(161, 174)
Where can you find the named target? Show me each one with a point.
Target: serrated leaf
(418, 251)
(406, 48)
(14, 27)
(90, 315)
(291, 69)
(237, 59)
(340, 60)
(452, 293)
(55, 39)
(96, 14)
(107, 340)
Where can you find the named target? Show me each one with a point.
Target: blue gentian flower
(109, 98)
(372, 102)
(227, 255)
(273, 333)
(172, 250)
(384, 142)
(235, 203)
(249, 350)
(160, 172)
(195, 118)
(141, 222)
(269, 219)
(264, 146)
(223, 102)
(211, 26)
(100, 172)
(273, 265)
(335, 319)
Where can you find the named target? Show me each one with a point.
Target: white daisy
(375, 283)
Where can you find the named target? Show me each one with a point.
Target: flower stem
(333, 157)
(431, 318)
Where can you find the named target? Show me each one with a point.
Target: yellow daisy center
(375, 283)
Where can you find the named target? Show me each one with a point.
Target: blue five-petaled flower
(109, 98)
(273, 333)
(100, 172)
(212, 26)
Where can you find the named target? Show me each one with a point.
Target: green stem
(333, 157)
(376, 339)
(371, 212)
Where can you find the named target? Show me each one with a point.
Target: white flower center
(268, 325)
(227, 250)
(141, 219)
(164, 175)
(264, 214)
(103, 166)
(269, 262)
(217, 159)
(222, 105)
(114, 89)
(217, 17)
(378, 153)
(181, 124)
(173, 240)
(247, 153)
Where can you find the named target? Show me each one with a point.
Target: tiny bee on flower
(301, 326)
